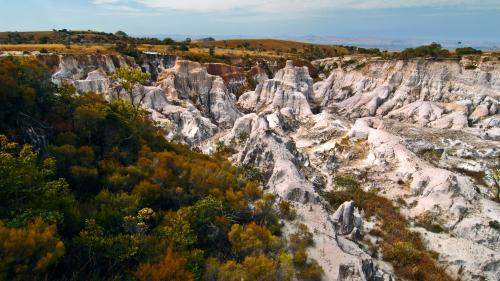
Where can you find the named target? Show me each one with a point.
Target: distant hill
(64, 36)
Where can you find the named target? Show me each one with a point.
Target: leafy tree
(26, 190)
(177, 230)
(168, 41)
(433, 50)
(253, 268)
(97, 252)
(129, 78)
(252, 239)
(121, 33)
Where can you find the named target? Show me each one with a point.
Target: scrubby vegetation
(90, 190)
(467, 51)
(399, 246)
(64, 36)
(434, 50)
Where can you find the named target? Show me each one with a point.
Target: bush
(347, 182)
(467, 51)
(126, 49)
(287, 211)
(470, 67)
(425, 220)
(434, 50)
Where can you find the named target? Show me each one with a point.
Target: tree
(121, 33)
(211, 51)
(26, 190)
(171, 268)
(129, 79)
(168, 41)
(253, 268)
(467, 51)
(252, 239)
(126, 49)
(28, 252)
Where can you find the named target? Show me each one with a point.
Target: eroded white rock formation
(291, 88)
(189, 81)
(422, 90)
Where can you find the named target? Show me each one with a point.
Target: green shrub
(467, 51)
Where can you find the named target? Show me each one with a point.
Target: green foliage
(252, 239)
(495, 225)
(434, 50)
(27, 189)
(287, 211)
(128, 49)
(129, 78)
(467, 51)
(346, 182)
(25, 97)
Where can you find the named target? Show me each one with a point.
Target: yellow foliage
(231, 271)
(28, 250)
(259, 268)
(252, 239)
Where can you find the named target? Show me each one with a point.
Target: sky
(435, 20)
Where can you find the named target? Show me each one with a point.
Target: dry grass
(57, 48)
(270, 45)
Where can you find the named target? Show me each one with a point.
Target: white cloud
(294, 6)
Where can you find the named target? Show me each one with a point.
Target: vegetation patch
(470, 67)
(432, 155)
(426, 220)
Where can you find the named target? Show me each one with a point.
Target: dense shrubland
(90, 190)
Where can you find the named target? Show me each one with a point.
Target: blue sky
(410, 19)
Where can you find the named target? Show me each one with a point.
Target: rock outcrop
(237, 80)
(291, 88)
(189, 81)
(390, 88)
(79, 67)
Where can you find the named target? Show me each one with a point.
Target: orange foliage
(171, 268)
(28, 250)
